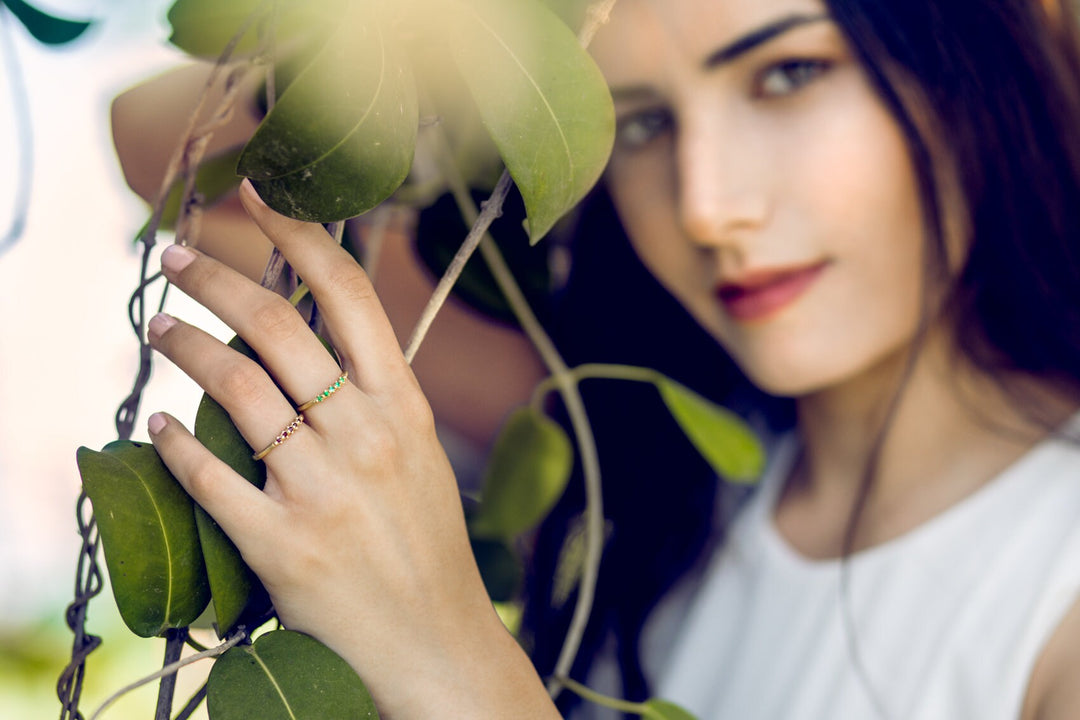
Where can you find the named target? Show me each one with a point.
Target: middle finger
(266, 321)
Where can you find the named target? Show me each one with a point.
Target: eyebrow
(762, 35)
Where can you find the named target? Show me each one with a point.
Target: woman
(869, 205)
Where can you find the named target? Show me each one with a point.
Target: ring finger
(250, 397)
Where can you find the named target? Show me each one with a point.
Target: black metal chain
(88, 583)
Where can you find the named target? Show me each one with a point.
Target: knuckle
(202, 476)
(276, 320)
(416, 412)
(242, 383)
(351, 283)
(198, 277)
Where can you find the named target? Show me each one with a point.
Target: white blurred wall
(67, 355)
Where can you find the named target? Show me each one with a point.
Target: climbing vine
(354, 91)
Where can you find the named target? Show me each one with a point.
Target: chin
(795, 376)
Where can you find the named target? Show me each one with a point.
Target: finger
(266, 321)
(240, 386)
(239, 507)
(343, 290)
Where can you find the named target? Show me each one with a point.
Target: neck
(951, 431)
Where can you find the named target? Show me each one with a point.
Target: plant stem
(575, 408)
(170, 669)
(590, 461)
(480, 224)
(174, 645)
(597, 14)
(594, 697)
(596, 371)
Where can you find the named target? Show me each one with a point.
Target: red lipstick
(757, 295)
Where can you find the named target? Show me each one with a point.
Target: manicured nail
(159, 324)
(248, 190)
(156, 423)
(176, 258)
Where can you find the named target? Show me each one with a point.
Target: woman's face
(763, 182)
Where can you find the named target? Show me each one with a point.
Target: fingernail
(248, 190)
(176, 258)
(156, 423)
(159, 324)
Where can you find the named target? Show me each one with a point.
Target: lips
(758, 295)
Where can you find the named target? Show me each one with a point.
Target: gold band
(282, 437)
(334, 387)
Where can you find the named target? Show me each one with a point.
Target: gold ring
(282, 437)
(334, 387)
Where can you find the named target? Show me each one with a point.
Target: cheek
(642, 186)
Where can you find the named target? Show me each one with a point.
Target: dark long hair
(987, 95)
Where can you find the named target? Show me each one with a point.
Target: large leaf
(527, 472)
(286, 676)
(541, 96)
(45, 28)
(236, 591)
(340, 140)
(234, 587)
(665, 710)
(205, 27)
(147, 526)
(721, 437)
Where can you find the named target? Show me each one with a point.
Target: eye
(788, 77)
(639, 128)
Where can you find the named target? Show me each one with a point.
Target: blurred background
(67, 354)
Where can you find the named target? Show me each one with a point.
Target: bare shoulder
(1054, 691)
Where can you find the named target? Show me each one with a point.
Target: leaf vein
(363, 118)
(270, 677)
(535, 85)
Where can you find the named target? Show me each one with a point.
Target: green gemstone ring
(325, 393)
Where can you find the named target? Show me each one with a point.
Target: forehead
(643, 34)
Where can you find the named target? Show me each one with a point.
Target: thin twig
(193, 703)
(492, 210)
(598, 14)
(170, 669)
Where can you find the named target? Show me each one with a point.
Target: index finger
(345, 294)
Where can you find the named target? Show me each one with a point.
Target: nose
(722, 196)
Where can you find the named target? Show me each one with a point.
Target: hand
(359, 535)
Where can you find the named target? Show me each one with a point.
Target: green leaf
(205, 27)
(527, 472)
(340, 140)
(236, 591)
(500, 568)
(543, 99)
(722, 438)
(215, 177)
(147, 526)
(46, 28)
(286, 676)
(666, 710)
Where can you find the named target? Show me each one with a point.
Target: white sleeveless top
(948, 620)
